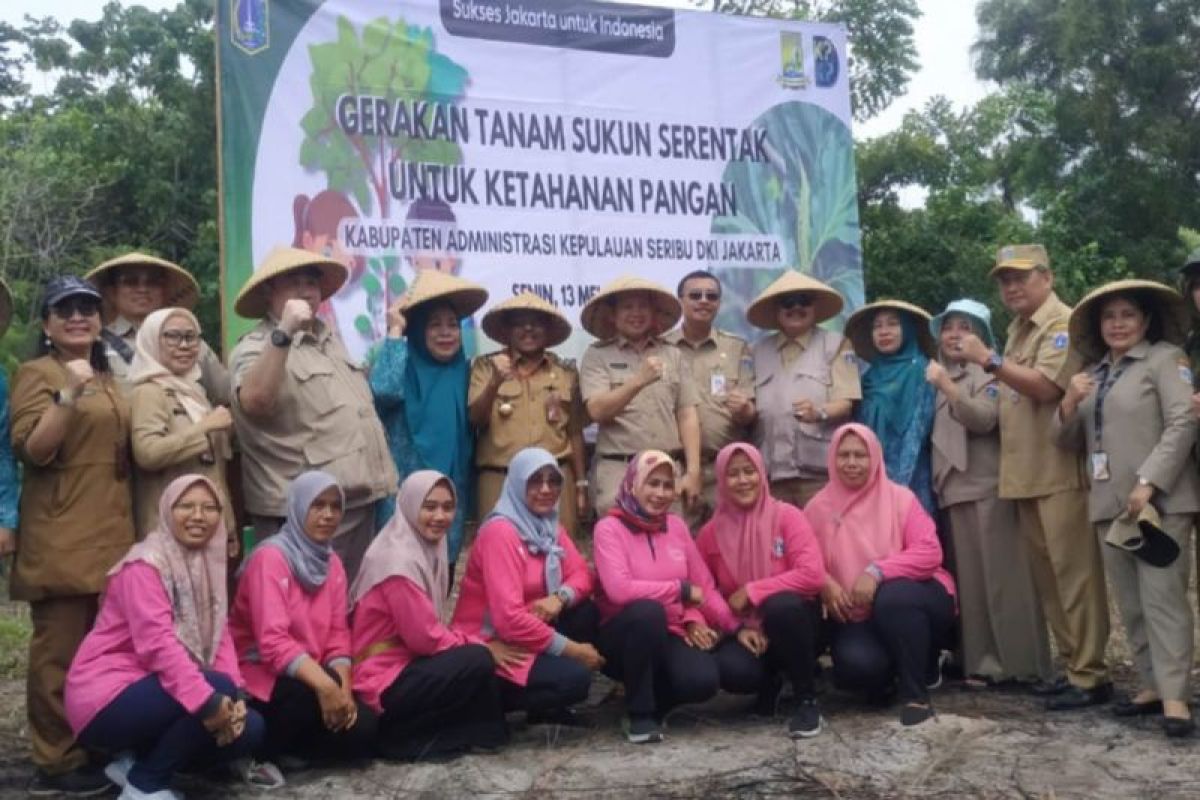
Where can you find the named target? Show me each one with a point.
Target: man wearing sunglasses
(723, 374)
(134, 286)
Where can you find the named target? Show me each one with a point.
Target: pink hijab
(856, 527)
(744, 537)
(193, 577)
(400, 550)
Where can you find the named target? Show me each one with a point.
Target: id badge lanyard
(1107, 378)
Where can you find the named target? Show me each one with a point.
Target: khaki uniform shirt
(1148, 432)
(213, 375)
(719, 364)
(1030, 464)
(965, 445)
(76, 510)
(323, 419)
(543, 410)
(649, 421)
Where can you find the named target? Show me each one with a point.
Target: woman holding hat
(135, 285)
(806, 382)
(889, 603)
(527, 585)
(525, 396)
(1130, 411)
(420, 386)
(70, 428)
(637, 386)
(10, 481)
(1002, 631)
(176, 430)
(434, 687)
(893, 338)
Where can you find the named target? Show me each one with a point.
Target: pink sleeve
(141, 594)
(266, 580)
(714, 609)
(226, 661)
(338, 646)
(575, 569)
(805, 574)
(922, 553)
(417, 622)
(503, 585)
(612, 567)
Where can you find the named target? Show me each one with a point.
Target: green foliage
(883, 54)
(393, 61)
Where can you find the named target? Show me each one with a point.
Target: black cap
(63, 286)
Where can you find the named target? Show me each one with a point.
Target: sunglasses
(177, 338)
(134, 280)
(68, 307)
(795, 301)
(697, 295)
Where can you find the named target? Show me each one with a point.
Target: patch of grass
(15, 630)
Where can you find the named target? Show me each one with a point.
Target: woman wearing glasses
(176, 429)
(70, 427)
(805, 383)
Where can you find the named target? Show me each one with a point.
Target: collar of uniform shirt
(122, 327)
(800, 341)
(676, 337)
(623, 343)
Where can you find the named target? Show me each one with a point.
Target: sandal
(260, 774)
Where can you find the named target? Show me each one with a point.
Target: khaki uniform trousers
(59, 625)
(702, 512)
(797, 491)
(491, 482)
(354, 535)
(1156, 610)
(1069, 577)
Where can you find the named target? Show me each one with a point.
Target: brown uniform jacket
(965, 443)
(1148, 432)
(721, 362)
(76, 510)
(167, 444)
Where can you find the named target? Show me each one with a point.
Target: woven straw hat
(827, 303)
(181, 289)
(497, 326)
(858, 327)
(252, 303)
(1165, 303)
(597, 316)
(6, 306)
(431, 284)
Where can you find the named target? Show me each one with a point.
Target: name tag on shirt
(716, 384)
(1100, 466)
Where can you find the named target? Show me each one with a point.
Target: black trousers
(556, 682)
(909, 624)
(659, 670)
(790, 624)
(295, 726)
(443, 704)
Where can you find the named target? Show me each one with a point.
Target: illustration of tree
(391, 60)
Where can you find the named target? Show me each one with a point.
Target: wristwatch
(63, 399)
(279, 338)
(822, 414)
(564, 594)
(994, 362)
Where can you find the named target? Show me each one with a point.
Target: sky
(944, 34)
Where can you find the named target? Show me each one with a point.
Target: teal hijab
(435, 403)
(894, 387)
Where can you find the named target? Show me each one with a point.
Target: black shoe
(806, 722)
(767, 700)
(1178, 727)
(1076, 697)
(914, 714)
(642, 730)
(1051, 687)
(82, 782)
(1129, 708)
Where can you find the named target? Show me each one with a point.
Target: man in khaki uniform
(723, 374)
(637, 387)
(134, 286)
(301, 404)
(1047, 482)
(805, 383)
(526, 396)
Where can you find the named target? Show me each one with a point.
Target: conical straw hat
(597, 317)
(827, 303)
(1165, 303)
(430, 284)
(182, 288)
(495, 322)
(252, 303)
(858, 327)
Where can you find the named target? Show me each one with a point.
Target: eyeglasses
(189, 509)
(181, 338)
(83, 305)
(697, 295)
(551, 481)
(795, 301)
(133, 280)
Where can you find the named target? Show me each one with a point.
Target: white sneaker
(131, 792)
(117, 770)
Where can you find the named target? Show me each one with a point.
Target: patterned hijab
(540, 534)
(627, 508)
(194, 578)
(308, 560)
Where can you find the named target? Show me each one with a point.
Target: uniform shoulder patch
(991, 391)
(1060, 341)
(1185, 371)
(849, 357)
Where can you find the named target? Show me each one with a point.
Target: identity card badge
(1100, 466)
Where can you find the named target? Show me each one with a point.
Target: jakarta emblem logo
(791, 54)
(250, 30)
(825, 62)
